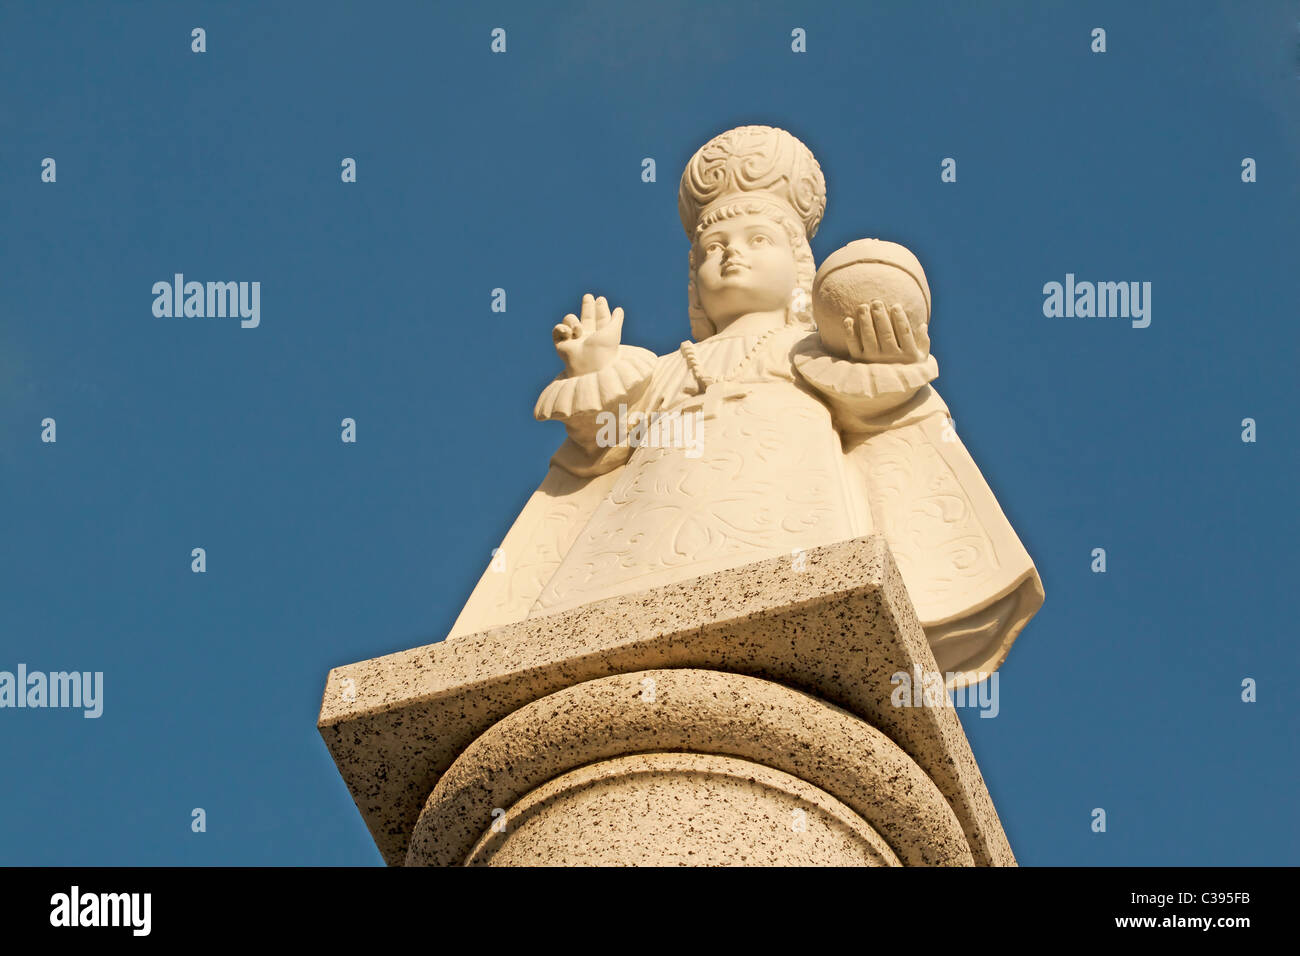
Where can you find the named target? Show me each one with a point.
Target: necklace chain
(693, 361)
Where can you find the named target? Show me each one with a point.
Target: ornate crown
(753, 162)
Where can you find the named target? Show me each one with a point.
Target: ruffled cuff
(620, 382)
(860, 393)
(849, 379)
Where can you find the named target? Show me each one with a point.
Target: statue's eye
(758, 239)
(713, 248)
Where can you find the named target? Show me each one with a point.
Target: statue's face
(744, 265)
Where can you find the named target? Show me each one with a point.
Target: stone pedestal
(744, 717)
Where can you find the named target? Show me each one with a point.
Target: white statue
(766, 435)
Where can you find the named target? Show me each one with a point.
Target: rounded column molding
(662, 767)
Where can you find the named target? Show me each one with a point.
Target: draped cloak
(794, 448)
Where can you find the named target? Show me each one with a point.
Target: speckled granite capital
(771, 683)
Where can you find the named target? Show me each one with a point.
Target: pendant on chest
(709, 402)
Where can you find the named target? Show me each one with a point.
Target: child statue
(794, 435)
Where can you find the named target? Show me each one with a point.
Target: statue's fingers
(922, 336)
(866, 331)
(851, 337)
(561, 333)
(903, 331)
(617, 318)
(602, 312)
(574, 326)
(884, 328)
(588, 308)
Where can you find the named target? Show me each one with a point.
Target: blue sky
(522, 171)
